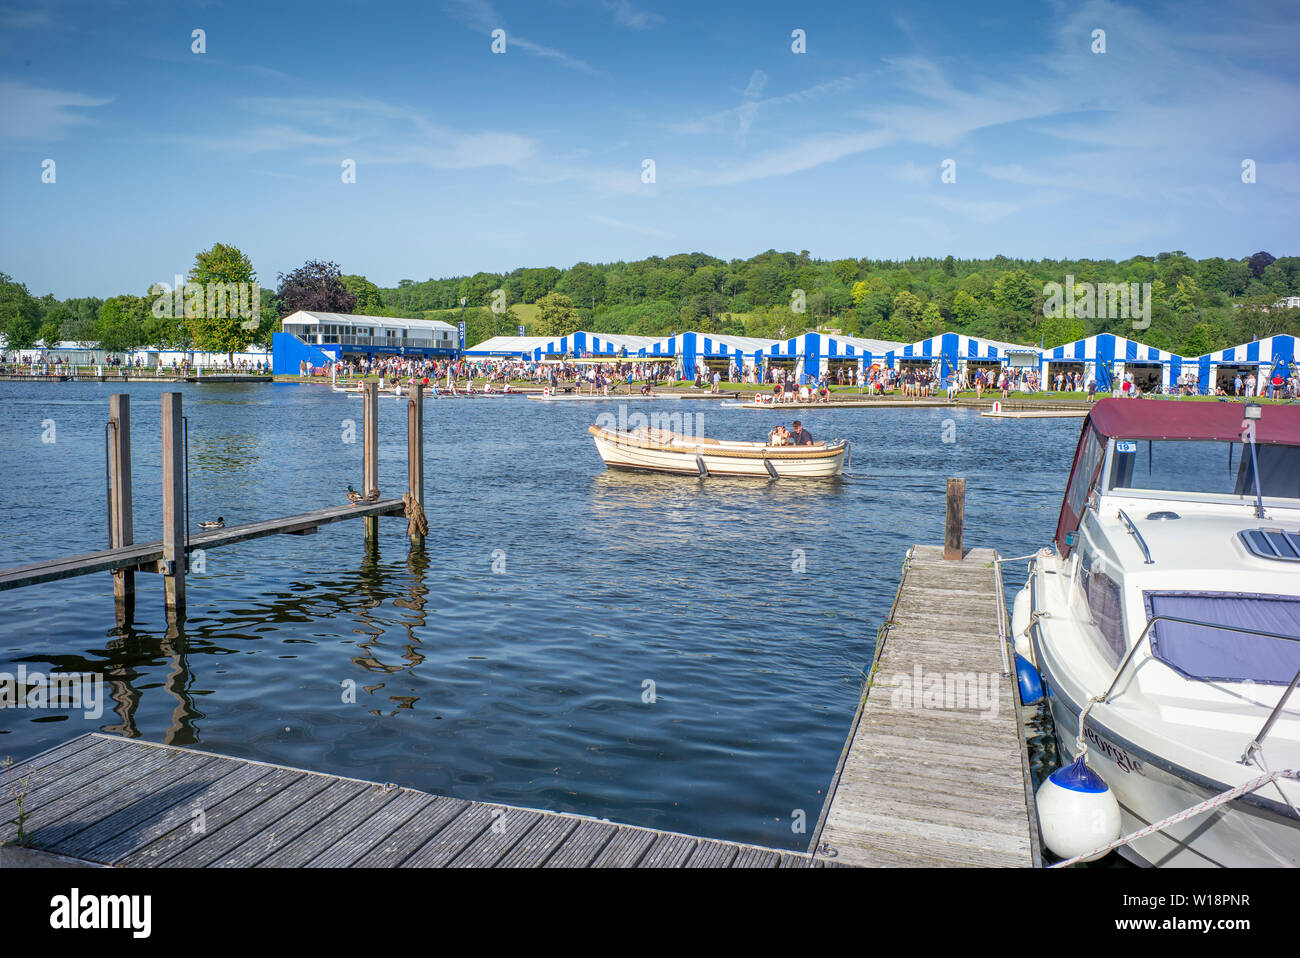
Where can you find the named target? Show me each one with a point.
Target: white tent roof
(873, 346)
(306, 318)
(509, 344)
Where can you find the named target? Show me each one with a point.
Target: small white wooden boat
(659, 450)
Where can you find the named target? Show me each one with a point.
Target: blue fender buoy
(1031, 684)
(1077, 811)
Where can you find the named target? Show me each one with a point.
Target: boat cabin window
(1086, 471)
(1214, 468)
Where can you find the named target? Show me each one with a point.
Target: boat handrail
(1258, 741)
(1138, 536)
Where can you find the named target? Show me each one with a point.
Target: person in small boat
(778, 436)
(800, 436)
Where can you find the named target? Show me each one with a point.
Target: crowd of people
(58, 364)
(911, 380)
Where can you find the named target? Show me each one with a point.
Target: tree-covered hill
(1197, 305)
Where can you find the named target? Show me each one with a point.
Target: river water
(657, 650)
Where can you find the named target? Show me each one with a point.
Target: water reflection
(524, 686)
(223, 452)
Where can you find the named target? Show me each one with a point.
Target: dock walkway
(936, 775)
(148, 554)
(108, 800)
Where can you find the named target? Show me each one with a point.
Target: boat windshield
(1207, 467)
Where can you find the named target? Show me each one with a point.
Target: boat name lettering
(1114, 753)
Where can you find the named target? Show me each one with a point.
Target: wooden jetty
(936, 781)
(169, 556)
(1035, 413)
(148, 556)
(106, 800)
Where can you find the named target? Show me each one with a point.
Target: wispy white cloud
(909, 172)
(37, 113)
(626, 15)
(369, 130)
(482, 16)
(722, 121)
(628, 227)
(803, 153)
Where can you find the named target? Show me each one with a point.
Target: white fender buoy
(1019, 622)
(1077, 811)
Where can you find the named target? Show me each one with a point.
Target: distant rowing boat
(658, 450)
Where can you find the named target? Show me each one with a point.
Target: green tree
(1186, 295)
(121, 323)
(20, 314)
(931, 323)
(1199, 341)
(584, 284)
(556, 316)
(223, 271)
(1016, 292)
(369, 300)
(51, 331)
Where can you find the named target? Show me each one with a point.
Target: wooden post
(370, 447)
(121, 524)
(415, 453)
(173, 482)
(955, 519)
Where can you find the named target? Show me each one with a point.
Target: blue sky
(468, 160)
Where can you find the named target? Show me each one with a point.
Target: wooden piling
(121, 523)
(370, 446)
(173, 482)
(415, 453)
(955, 519)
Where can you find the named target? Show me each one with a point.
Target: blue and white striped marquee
(1272, 355)
(1105, 356)
(692, 348)
(819, 350)
(951, 350)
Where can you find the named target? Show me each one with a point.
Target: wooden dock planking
(146, 555)
(934, 786)
(114, 801)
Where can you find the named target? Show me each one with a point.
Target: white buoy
(1020, 622)
(1077, 811)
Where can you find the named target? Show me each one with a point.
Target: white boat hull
(620, 451)
(1236, 835)
(1150, 780)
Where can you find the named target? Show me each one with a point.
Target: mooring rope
(415, 518)
(1185, 814)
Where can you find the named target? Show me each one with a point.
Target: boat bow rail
(1252, 753)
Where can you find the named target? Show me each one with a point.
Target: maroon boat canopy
(1215, 421)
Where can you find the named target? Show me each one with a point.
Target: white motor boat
(1170, 609)
(661, 450)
